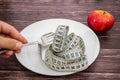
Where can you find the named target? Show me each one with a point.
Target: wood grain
(22, 13)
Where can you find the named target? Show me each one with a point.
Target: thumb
(9, 43)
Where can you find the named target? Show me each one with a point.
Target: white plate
(30, 55)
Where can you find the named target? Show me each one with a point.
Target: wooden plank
(26, 75)
(39, 10)
(109, 42)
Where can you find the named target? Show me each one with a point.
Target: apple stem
(104, 12)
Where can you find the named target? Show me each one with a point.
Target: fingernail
(18, 45)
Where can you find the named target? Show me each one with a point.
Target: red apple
(100, 20)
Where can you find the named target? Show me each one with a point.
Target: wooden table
(22, 13)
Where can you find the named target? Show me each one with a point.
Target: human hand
(10, 39)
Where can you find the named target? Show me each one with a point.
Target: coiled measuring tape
(68, 54)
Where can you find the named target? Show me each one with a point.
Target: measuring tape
(66, 53)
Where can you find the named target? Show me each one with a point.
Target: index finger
(9, 30)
